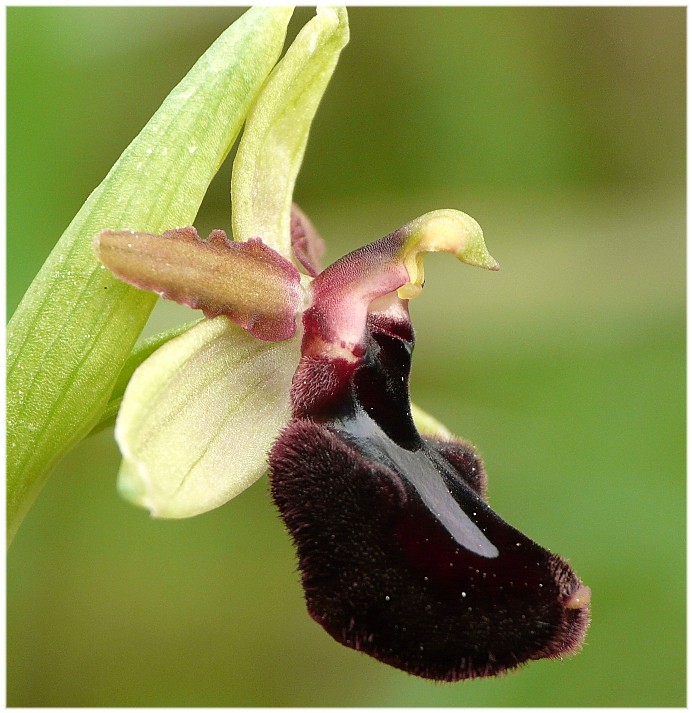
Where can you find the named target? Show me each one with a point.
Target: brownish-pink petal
(248, 282)
(308, 246)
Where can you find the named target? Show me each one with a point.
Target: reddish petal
(248, 282)
(307, 244)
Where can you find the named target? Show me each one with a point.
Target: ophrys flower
(400, 555)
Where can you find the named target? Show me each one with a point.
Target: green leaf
(199, 417)
(273, 143)
(76, 325)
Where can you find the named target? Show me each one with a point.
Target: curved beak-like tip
(493, 264)
(480, 258)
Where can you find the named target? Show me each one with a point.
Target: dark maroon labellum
(400, 555)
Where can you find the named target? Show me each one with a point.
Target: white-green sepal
(199, 416)
(276, 131)
(428, 425)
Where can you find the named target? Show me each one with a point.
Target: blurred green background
(562, 131)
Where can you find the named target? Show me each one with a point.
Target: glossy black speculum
(400, 555)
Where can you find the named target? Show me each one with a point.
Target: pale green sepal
(76, 325)
(143, 350)
(428, 425)
(276, 132)
(199, 416)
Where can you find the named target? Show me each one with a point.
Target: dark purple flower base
(400, 555)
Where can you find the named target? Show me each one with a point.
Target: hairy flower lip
(400, 555)
(383, 595)
(579, 599)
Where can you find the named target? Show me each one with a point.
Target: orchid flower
(304, 373)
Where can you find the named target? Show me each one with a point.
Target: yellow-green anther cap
(449, 231)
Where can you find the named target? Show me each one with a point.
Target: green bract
(76, 325)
